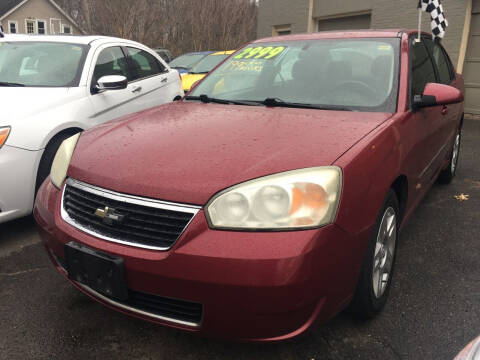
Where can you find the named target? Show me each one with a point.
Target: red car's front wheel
(376, 275)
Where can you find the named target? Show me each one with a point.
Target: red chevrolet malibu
(271, 197)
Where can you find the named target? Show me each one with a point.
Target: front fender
(34, 133)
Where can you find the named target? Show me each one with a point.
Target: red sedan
(271, 197)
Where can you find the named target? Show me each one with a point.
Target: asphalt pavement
(432, 313)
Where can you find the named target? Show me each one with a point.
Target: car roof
(74, 39)
(197, 53)
(227, 52)
(374, 33)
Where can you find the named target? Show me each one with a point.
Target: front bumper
(252, 286)
(18, 172)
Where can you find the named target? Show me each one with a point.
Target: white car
(52, 87)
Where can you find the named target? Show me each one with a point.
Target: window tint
(143, 64)
(440, 61)
(422, 68)
(111, 61)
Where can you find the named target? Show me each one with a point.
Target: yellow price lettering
(254, 52)
(275, 52)
(264, 52)
(260, 52)
(243, 53)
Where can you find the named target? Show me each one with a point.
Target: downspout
(311, 23)
(465, 36)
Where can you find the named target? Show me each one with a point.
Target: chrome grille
(145, 223)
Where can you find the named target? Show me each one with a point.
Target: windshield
(354, 74)
(186, 61)
(207, 64)
(41, 64)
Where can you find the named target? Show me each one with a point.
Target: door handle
(444, 110)
(164, 80)
(136, 88)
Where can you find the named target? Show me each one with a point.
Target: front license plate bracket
(99, 271)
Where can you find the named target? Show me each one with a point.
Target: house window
(41, 27)
(67, 29)
(282, 30)
(30, 27)
(12, 27)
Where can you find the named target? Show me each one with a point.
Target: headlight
(298, 199)
(58, 174)
(4, 132)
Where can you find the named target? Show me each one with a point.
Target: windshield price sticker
(249, 66)
(260, 52)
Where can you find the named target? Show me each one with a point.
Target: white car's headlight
(58, 174)
(298, 199)
(4, 132)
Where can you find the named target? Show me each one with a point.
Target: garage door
(345, 23)
(471, 71)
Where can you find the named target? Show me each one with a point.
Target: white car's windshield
(348, 74)
(42, 64)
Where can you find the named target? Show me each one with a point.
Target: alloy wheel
(384, 252)
(456, 149)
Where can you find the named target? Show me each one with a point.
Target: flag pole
(419, 24)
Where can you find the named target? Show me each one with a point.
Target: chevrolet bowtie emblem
(109, 215)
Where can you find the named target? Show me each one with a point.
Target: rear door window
(443, 67)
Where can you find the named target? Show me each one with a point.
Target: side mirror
(437, 94)
(111, 82)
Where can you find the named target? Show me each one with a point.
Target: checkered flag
(1, 31)
(439, 22)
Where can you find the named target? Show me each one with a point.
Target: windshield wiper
(200, 72)
(3, 83)
(276, 102)
(206, 99)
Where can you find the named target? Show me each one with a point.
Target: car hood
(19, 103)
(186, 152)
(189, 79)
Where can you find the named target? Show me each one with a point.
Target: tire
(446, 176)
(369, 299)
(47, 158)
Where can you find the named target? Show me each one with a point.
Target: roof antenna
(419, 39)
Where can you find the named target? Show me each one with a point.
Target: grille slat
(177, 309)
(174, 312)
(107, 229)
(171, 215)
(143, 224)
(91, 209)
(188, 307)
